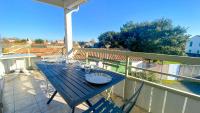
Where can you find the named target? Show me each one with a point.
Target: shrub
(150, 76)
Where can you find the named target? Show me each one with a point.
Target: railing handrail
(152, 56)
(167, 74)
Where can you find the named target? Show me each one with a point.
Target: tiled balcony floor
(26, 93)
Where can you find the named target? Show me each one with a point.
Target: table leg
(47, 85)
(52, 97)
(73, 109)
(88, 103)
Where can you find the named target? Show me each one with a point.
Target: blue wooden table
(70, 82)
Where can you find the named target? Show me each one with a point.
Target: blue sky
(31, 19)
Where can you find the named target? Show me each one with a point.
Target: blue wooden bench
(106, 106)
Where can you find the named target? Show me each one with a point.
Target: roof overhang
(69, 4)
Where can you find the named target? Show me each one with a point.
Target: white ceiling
(60, 3)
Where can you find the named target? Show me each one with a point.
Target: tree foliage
(159, 36)
(39, 41)
(110, 38)
(20, 41)
(150, 76)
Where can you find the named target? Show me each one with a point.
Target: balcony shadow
(30, 95)
(191, 86)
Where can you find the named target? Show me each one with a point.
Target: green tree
(110, 38)
(39, 41)
(159, 36)
(20, 41)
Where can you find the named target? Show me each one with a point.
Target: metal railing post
(126, 74)
(161, 75)
(86, 57)
(29, 59)
(127, 66)
(62, 51)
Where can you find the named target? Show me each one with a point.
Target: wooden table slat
(71, 84)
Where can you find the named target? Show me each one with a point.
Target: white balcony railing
(156, 97)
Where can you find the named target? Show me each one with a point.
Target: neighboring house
(92, 42)
(29, 41)
(193, 46)
(89, 44)
(48, 43)
(11, 40)
(59, 41)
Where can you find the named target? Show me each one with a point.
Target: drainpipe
(1, 46)
(29, 47)
(68, 30)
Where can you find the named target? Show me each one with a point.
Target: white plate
(98, 78)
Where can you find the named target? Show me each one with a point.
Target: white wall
(136, 64)
(174, 70)
(189, 70)
(2, 71)
(6, 66)
(160, 100)
(195, 45)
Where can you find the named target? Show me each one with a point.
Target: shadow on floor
(29, 94)
(191, 86)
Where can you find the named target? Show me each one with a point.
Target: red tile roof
(79, 55)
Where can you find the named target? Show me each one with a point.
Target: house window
(190, 51)
(190, 44)
(197, 51)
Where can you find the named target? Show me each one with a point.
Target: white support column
(68, 30)
(0, 50)
(1, 44)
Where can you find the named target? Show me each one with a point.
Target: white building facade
(193, 46)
